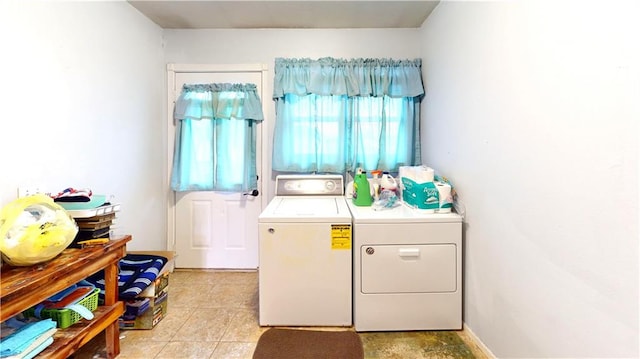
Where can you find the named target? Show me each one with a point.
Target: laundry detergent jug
(361, 190)
(387, 182)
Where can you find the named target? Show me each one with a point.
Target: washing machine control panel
(309, 185)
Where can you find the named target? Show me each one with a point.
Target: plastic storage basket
(67, 317)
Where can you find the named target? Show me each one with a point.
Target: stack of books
(92, 229)
(95, 225)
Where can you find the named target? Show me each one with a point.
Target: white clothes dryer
(305, 254)
(407, 269)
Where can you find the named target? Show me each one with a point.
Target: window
(215, 138)
(337, 115)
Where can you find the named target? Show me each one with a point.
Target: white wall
(82, 107)
(532, 109)
(264, 45)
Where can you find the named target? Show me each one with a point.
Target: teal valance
(356, 77)
(218, 101)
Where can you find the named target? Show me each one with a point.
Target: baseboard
(471, 337)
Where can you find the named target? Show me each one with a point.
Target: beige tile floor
(214, 314)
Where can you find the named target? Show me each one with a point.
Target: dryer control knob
(330, 186)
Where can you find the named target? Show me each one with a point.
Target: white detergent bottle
(388, 182)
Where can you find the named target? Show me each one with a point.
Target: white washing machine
(407, 269)
(305, 269)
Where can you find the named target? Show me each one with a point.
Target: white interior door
(216, 229)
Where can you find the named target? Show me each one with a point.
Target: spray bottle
(375, 182)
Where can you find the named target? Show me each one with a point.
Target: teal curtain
(215, 143)
(334, 115)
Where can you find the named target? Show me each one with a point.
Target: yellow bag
(34, 229)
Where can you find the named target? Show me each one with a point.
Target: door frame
(172, 69)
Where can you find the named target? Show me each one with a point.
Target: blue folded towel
(36, 347)
(40, 348)
(20, 340)
(137, 272)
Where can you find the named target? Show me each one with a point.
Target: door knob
(253, 193)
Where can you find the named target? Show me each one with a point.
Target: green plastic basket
(67, 317)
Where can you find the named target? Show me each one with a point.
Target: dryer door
(411, 268)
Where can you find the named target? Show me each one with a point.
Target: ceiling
(268, 14)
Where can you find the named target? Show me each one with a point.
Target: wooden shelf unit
(24, 287)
